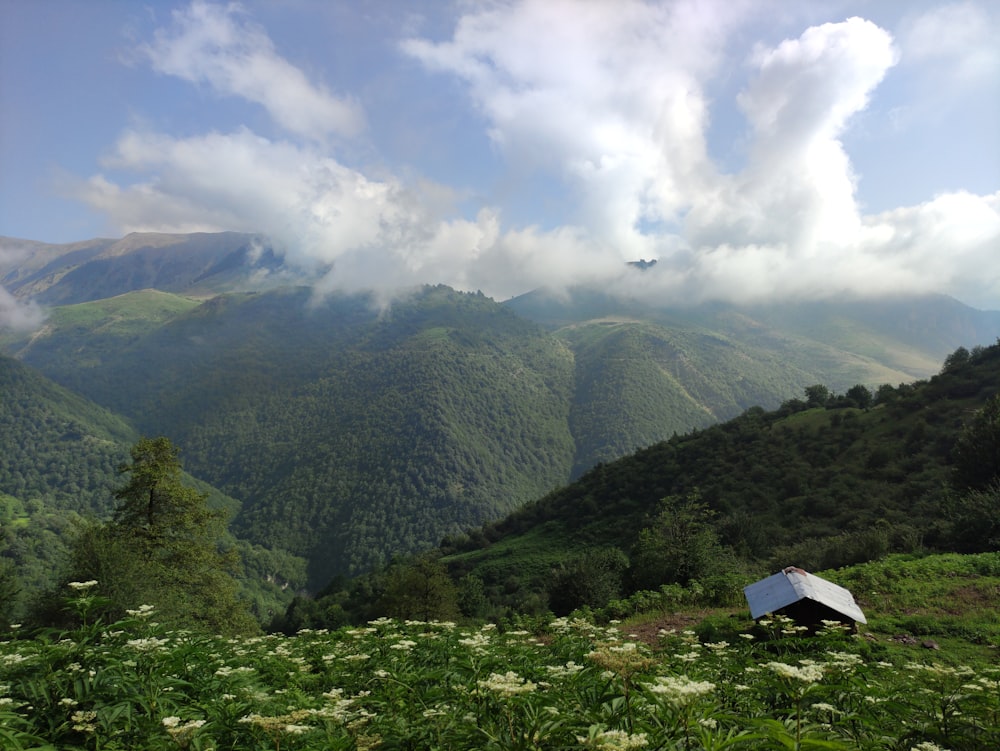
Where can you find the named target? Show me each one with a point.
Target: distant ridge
(199, 264)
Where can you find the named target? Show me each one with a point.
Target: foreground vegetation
(547, 683)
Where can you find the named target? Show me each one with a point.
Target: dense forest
(823, 481)
(349, 432)
(340, 432)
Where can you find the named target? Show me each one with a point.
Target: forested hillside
(350, 432)
(55, 446)
(60, 457)
(824, 481)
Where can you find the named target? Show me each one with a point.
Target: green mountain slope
(351, 433)
(55, 446)
(818, 487)
(441, 417)
(59, 460)
(646, 372)
(88, 333)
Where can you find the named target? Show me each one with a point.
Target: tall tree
(680, 545)
(419, 589)
(977, 451)
(162, 548)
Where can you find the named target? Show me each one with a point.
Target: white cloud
(17, 315)
(949, 244)
(358, 232)
(607, 95)
(216, 45)
(611, 100)
(798, 188)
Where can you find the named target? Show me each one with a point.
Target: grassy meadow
(544, 683)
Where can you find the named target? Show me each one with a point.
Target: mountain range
(348, 431)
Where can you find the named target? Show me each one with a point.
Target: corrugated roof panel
(770, 594)
(791, 585)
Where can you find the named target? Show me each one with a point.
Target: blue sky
(757, 148)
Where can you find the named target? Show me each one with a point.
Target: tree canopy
(162, 548)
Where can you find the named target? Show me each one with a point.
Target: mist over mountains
(351, 428)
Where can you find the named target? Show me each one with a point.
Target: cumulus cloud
(357, 232)
(217, 45)
(795, 200)
(611, 100)
(609, 96)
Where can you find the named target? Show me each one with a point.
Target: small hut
(805, 598)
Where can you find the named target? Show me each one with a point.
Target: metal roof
(793, 584)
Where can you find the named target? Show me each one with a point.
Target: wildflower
(477, 643)
(562, 671)
(806, 673)
(680, 690)
(281, 724)
(844, 659)
(623, 659)
(709, 722)
(927, 746)
(143, 611)
(150, 644)
(67, 702)
(614, 740)
(365, 742)
(83, 722)
(508, 684)
(227, 670)
(82, 586)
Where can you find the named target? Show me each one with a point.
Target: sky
(757, 149)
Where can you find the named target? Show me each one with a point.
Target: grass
(947, 605)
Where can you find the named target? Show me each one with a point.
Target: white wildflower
(507, 684)
(679, 690)
(149, 644)
(614, 740)
(805, 673)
